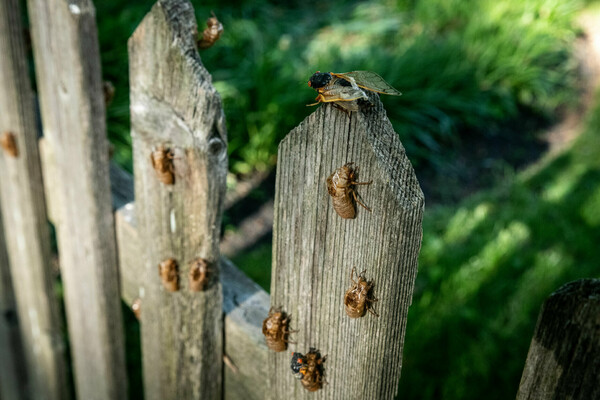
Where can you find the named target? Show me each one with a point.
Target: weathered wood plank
(13, 374)
(65, 45)
(564, 357)
(23, 208)
(245, 304)
(314, 251)
(175, 107)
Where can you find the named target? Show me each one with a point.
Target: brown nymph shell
(359, 297)
(212, 33)
(340, 185)
(167, 270)
(162, 162)
(8, 142)
(199, 270)
(276, 329)
(309, 369)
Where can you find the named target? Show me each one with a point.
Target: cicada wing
(342, 93)
(370, 81)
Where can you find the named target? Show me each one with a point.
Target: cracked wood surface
(314, 251)
(564, 357)
(174, 105)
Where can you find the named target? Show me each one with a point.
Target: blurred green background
(505, 223)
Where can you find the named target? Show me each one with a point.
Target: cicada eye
(319, 79)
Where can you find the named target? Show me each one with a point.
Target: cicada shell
(162, 162)
(309, 369)
(212, 33)
(347, 89)
(109, 92)
(340, 185)
(8, 141)
(168, 272)
(136, 307)
(359, 298)
(276, 329)
(198, 274)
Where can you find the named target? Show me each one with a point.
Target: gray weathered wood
(24, 215)
(245, 304)
(314, 250)
(65, 45)
(564, 357)
(173, 104)
(13, 375)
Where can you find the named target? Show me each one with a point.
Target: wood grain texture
(245, 304)
(314, 250)
(65, 45)
(564, 357)
(25, 222)
(173, 103)
(13, 374)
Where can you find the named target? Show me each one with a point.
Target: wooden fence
(201, 338)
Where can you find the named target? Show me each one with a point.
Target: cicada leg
(352, 275)
(355, 196)
(372, 311)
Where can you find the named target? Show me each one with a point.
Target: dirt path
(587, 51)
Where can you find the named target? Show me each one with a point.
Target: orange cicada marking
(347, 89)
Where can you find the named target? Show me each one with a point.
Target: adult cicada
(347, 90)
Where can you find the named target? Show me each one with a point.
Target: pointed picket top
(180, 165)
(314, 251)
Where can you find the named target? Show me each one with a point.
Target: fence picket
(27, 233)
(179, 191)
(564, 357)
(65, 45)
(314, 251)
(13, 374)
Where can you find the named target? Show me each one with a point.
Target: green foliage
(256, 263)
(485, 268)
(487, 265)
(461, 65)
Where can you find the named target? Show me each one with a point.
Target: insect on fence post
(168, 270)
(347, 90)
(8, 141)
(276, 329)
(340, 185)
(212, 33)
(359, 297)
(162, 162)
(136, 307)
(309, 369)
(199, 271)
